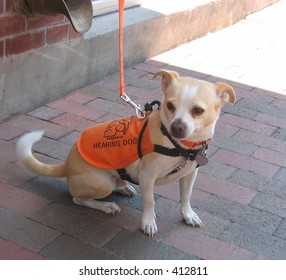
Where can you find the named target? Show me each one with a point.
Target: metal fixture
(79, 12)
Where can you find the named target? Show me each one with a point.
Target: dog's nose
(178, 129)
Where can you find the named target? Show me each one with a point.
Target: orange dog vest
(115, 144)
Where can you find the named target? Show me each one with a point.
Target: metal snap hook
(139, 112)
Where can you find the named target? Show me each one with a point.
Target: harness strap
(188, 154)
(166, 151)
(125, 176)
(139, 150)
(148, 107)
(123, 172)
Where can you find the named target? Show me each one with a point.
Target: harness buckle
(139, 112)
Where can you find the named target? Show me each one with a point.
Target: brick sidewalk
(240, 195)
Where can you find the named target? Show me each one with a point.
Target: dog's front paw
(149, 226)
(191, 218)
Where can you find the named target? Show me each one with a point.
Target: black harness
(178, 151)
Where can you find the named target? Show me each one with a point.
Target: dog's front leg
(148, 223)
(186, 188)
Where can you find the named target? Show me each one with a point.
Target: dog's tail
(24, 152)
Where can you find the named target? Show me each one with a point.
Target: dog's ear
(167, 78)
(225, 92)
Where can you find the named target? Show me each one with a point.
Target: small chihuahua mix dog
(169, 144)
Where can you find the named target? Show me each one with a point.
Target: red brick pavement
(38, 209)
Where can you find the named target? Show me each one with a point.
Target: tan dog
(187, 118)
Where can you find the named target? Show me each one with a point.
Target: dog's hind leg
(124, 188)
(88, 190)
(89, 193)
(88, 184)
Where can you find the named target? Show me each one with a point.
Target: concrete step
(30, 79)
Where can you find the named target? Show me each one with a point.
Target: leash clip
(139, 112)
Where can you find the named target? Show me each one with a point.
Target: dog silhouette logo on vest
(117, 128)
(114, 144)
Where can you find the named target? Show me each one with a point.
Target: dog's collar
(193, 144)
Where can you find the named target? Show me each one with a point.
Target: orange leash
(121, 61)
(139, 112)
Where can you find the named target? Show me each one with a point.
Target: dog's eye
(197, 111)
(171, 107)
